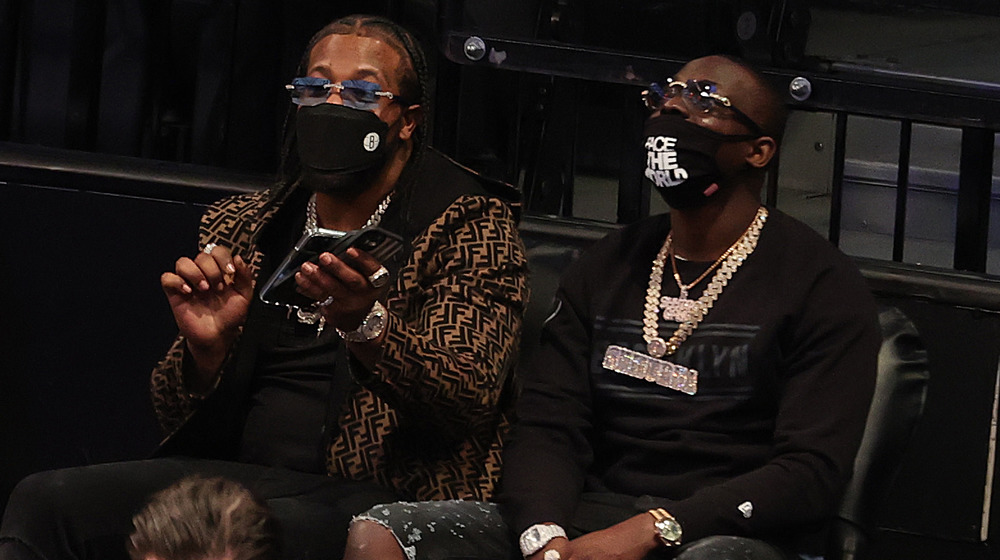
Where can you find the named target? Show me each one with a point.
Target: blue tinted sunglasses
(698, 95)
(357, 94)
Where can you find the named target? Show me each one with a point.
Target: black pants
(86, 512)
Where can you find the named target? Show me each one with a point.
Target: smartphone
(280, 289)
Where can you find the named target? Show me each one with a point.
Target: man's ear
(762, 150)
(413, 116)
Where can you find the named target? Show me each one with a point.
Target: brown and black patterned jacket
(428, 420)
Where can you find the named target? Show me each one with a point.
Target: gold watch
(667, 528)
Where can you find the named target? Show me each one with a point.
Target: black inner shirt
(299, 385)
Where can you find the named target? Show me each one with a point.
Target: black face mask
(340, 148)
(680, 159)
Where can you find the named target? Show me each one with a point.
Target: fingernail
(326, 258)
(186, 289)
(230, 268)
(203, 285)
(308, 267)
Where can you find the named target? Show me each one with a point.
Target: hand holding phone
(280, 288)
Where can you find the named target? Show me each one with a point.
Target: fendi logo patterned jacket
(427, 420)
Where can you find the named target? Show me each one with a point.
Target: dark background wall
(85, 326)
(197, 81)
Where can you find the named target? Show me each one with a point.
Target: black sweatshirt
(786, 361)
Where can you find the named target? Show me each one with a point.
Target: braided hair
(414, 85)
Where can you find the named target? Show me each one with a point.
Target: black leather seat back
(900, 392)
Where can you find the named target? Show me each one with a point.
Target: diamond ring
(325, 302)
(551, 554)
(209, 248)
(379, 278)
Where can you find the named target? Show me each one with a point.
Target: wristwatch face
(372, 327)
(531, 541)
(670, 531)
(534, 538)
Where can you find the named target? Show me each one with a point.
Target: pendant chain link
(689, 313)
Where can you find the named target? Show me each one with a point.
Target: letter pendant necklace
(680, 308)
(689, 313)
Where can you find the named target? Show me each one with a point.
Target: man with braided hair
(386, 385)
(704, 395)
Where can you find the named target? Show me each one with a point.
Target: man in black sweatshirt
(705, 373)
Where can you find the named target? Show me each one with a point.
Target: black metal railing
(844, 89)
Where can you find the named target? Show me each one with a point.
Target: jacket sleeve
(453, 333)
(171, 401)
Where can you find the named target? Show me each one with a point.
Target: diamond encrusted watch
(534, 538)
(667, 528)
(370, 328)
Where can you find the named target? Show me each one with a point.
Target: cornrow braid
(414, 89)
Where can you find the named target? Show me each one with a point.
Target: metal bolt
(800, 88)
(475, 48)
(746, 26)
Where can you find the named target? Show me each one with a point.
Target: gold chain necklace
(690, 313)
(686, 288)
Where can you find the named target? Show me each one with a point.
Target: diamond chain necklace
(311, 315)
(734, 257)
(373, 220)
(685, 288)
